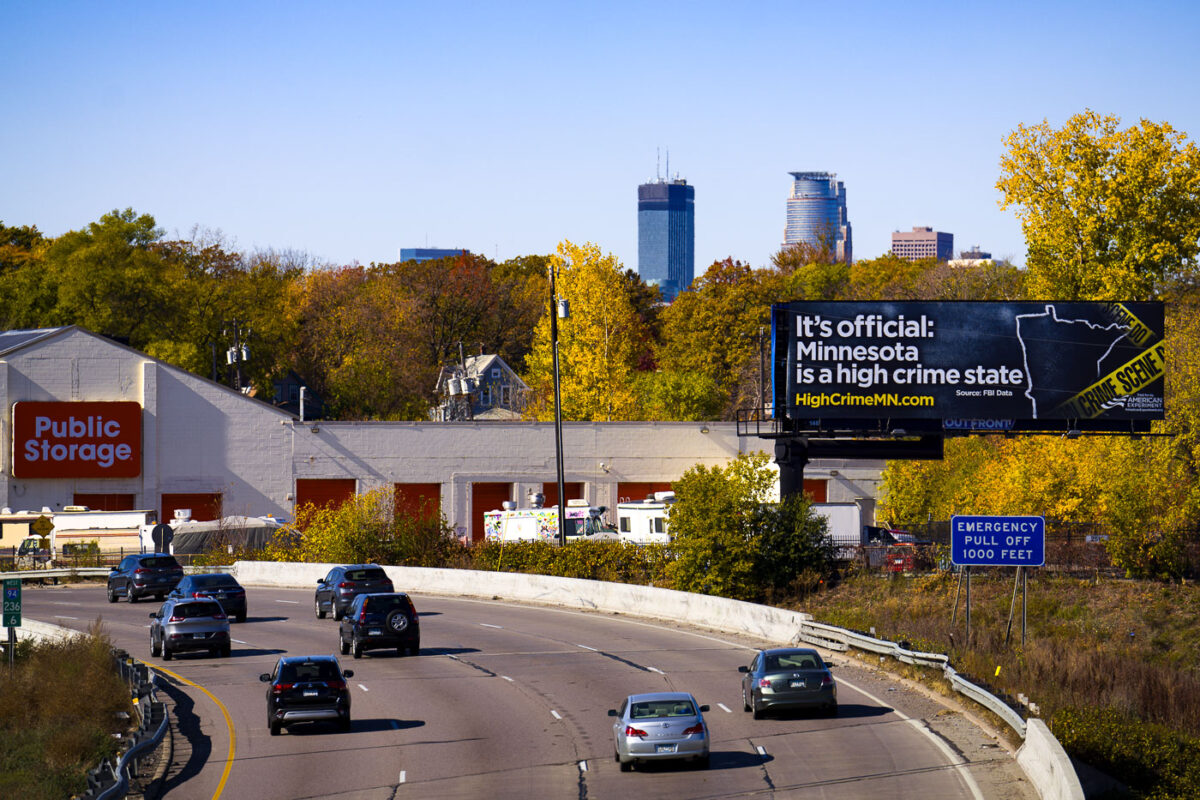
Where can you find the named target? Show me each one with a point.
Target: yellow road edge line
(228, 723)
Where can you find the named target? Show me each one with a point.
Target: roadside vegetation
(61, 708)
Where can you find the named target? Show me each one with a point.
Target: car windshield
(381, 605)
(662, 708)
(159, 562)
(192, 610)
(211, 581)
(375, 574)
(308, 671)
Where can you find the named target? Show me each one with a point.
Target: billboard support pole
(791, 455)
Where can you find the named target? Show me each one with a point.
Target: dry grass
(1130, 646)
(59, 711)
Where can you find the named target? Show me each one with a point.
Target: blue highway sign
(998, 541)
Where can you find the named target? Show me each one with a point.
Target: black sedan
(220, 586)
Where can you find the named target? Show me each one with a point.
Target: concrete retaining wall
(1047, 765)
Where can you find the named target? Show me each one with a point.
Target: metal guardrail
(110, 781)
(841, 639)
(58, 572)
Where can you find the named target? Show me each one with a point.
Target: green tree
(1108, 214)
(600, 344)
(712, 334)
(794, 550)
(714, 524)
(110, 279)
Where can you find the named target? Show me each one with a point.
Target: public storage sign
(998, 541)
(77, 440)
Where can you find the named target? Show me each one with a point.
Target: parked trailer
(646, 522)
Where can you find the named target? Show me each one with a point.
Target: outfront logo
(77, 440)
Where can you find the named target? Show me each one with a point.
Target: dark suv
(142, 575)
(307, 689)
(337, 589)
(376, 621)
(220, 586)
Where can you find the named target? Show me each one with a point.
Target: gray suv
(144, 574)
(341, 585)
(190, 623)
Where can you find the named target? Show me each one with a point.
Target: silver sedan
(788, 677)
(659, 726)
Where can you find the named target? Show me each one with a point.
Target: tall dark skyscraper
(667, 235)
(816, 214)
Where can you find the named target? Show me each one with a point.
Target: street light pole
(558, 450)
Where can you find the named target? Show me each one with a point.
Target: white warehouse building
(90, 422)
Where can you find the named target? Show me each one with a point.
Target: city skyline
(667, 235)
(341, 133)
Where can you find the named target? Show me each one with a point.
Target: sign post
(12, 615)
(998, 542)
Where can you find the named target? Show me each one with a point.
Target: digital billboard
(1102, 362)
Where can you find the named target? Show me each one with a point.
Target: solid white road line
(60, 616)
(510, 680)
(291, 602)
(238, 641)
(486, 625)
(585, 647)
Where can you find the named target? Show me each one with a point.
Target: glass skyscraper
(667, 236)
(816, 214)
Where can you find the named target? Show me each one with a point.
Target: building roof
(15, 340)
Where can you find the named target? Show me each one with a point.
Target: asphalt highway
(510, 701)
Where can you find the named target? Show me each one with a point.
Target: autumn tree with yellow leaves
(600, 343)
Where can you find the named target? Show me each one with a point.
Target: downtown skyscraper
(667, 235)
(816, 214)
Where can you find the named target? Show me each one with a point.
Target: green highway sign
(12, 603)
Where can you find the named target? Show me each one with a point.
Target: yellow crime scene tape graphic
(1134, 375)
(1140, 333)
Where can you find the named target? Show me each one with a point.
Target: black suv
(376, 621)
(343, 584)
(307, 689)
(144, 574)
(220, 586)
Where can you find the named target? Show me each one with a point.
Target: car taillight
(339, 685)
(199, 594)
(412, 609)
(175, 618)
(140, 570)
(362, 615)
(632, 731)
(219, 615)
(281, 687)
(346, 585)
(697, 728)
(826, 679)
(764, 683)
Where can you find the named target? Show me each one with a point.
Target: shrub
(58, 713)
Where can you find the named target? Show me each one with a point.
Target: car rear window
(308, 671)
(192, 610)
(374, 574)
(159, 562)
(381, 605)
(663, 708)
(210, 581)
(796, 661)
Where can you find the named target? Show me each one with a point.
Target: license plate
(199, 635)
(665, 748)
(375, 632)
(798, 684)
(310, 692)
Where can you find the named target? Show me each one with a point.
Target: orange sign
(77, 440)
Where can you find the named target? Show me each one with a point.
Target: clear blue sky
(350, 130)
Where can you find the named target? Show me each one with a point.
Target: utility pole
(557, 308)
